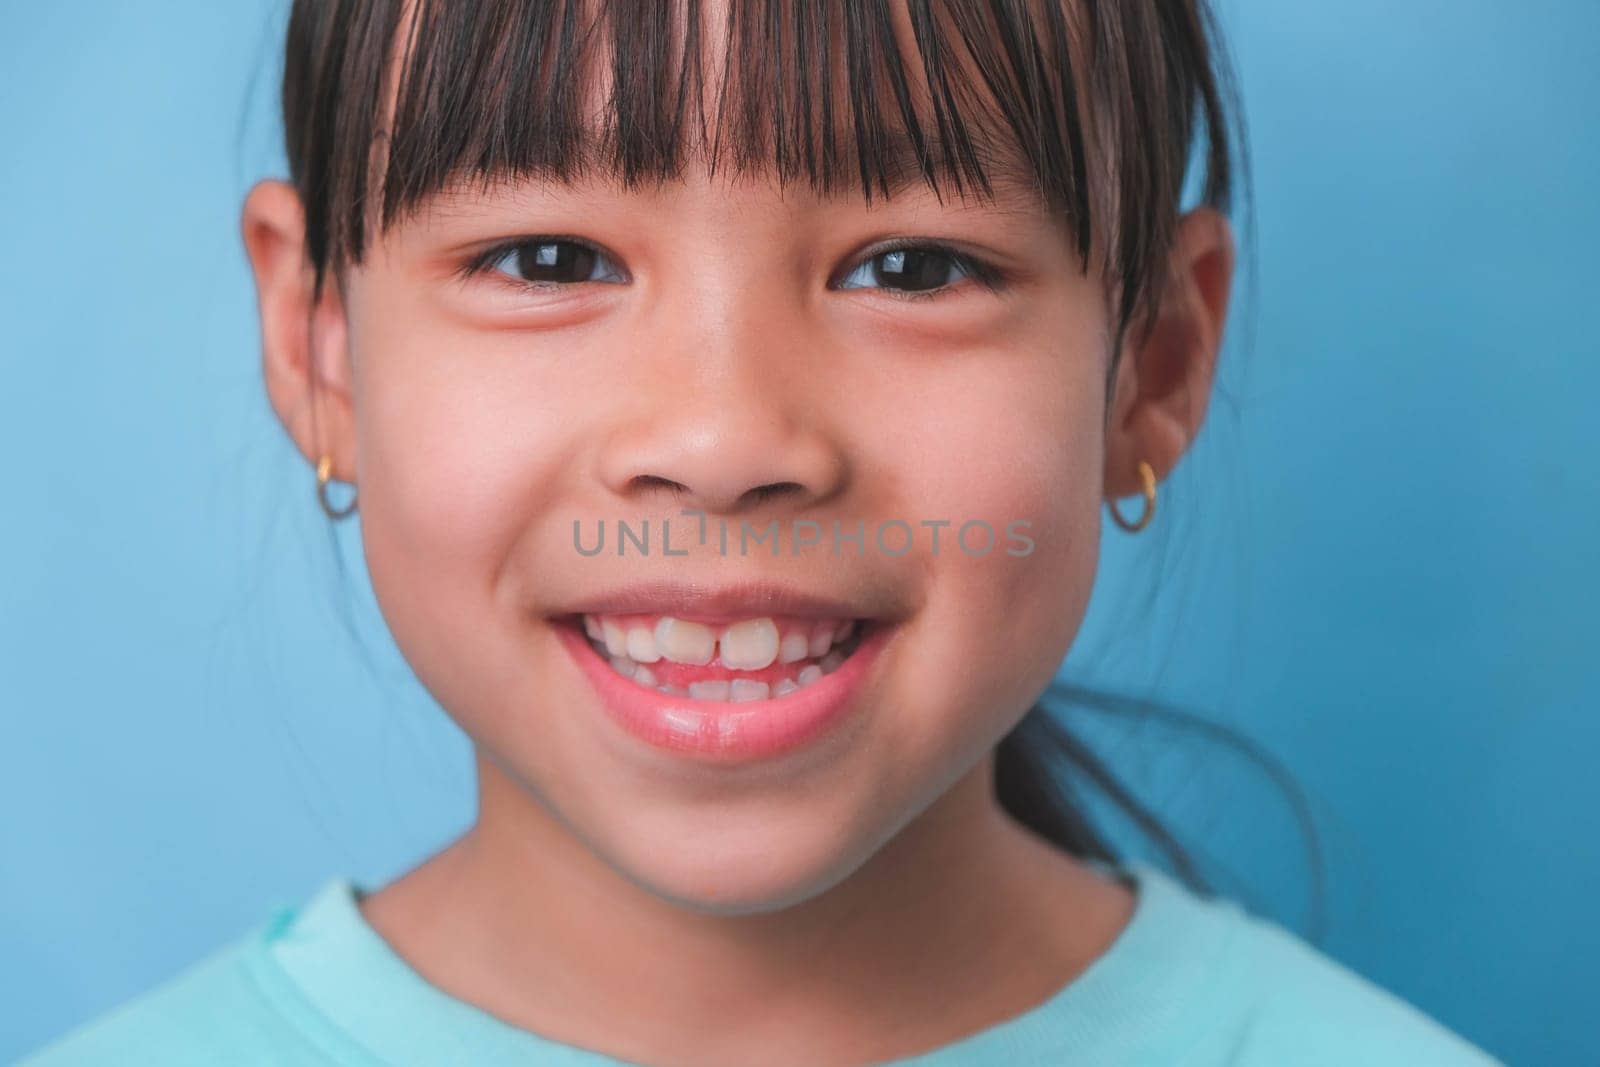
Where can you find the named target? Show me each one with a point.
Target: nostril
(648, 482)
(763, 493)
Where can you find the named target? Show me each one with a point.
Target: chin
(730, 866)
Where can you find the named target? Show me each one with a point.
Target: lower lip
(721, 730)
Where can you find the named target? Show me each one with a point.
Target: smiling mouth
(750, 659)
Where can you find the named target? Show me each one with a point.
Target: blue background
(1379, 561)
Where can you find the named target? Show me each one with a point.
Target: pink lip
(723, 731)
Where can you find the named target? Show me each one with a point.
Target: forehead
(847, 97)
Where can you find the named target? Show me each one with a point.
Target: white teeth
(709, 690)
(685, 642)
(616, 640)
(642, 645)
(750, 645)
(793, 648)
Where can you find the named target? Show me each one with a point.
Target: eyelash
(978, 270)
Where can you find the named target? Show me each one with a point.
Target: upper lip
(715, 602)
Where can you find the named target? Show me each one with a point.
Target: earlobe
(1165, 375)
(302, 347)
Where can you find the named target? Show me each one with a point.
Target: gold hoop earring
(1147, 474)
(324, 475)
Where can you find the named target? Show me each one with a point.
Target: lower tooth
(831, 661)
(644, 675)
(809, 674)
(785, 687)
(623, 666)
(709, 690)
(749, 689)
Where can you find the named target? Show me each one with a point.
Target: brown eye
(553, 261)
(918, 269)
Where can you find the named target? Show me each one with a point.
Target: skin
(871, 905)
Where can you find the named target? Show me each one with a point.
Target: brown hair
(819, 91)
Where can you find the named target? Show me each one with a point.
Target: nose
(722, 417)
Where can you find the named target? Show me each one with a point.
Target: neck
(962, 919)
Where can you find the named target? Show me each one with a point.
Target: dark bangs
(1094, 105)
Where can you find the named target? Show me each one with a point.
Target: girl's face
(728, 338)
(760, 355)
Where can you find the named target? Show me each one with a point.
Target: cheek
(452, 462)
(1018, 440)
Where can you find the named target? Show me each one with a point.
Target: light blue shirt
(1189, 980)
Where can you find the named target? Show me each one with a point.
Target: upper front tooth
(750, 645)
(616, 639)
(685, 642)
(642, 645)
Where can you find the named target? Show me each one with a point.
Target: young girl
(730, 390)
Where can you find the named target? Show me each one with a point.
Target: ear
(304, 351)
(1164, 377)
